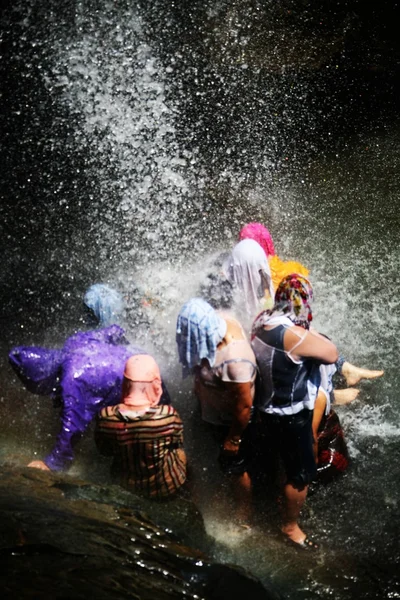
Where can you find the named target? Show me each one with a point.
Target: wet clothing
(86, 374)
(280, 269)
(248, 271)
(289, 438)
(260, 234)
(142, 385)
(333, 456)
(106, 304)
(38, 369)
(235, 363)
(293, 302)
(294, 297)
(199, 330)
(147, 448)
(286, 386)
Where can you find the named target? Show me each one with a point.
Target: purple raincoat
(86, 374)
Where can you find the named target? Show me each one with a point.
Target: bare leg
(353, 374)
(242, 493)
(319, 409)
(292, 504)
(345, 396)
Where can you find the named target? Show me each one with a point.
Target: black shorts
(292, 438)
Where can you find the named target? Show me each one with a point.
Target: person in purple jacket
(83, 376)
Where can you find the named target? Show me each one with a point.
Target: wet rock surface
(67, 539)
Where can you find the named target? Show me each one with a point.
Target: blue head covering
(106, 303)
(199, 329)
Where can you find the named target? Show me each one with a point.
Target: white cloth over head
(248, 271)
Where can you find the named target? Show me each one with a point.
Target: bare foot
(39, 464)
(294, 533)
(345, 396)
(353, 374)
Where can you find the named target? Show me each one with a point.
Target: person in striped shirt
(144, 437)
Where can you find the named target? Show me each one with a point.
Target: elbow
(336, 356)
(332, 356)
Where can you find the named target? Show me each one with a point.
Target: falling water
(138, 140)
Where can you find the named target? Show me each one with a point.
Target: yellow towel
(283, 268)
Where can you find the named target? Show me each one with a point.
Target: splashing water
(110, 78)
(151, 219)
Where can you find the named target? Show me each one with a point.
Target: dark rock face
(64, 538)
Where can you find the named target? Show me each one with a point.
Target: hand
(39, 464)
(229, 448)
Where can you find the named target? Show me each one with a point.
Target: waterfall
(138, 139)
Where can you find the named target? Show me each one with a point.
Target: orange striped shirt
(147, 448)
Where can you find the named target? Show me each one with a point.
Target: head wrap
(38, 368)
(106, 303)
(248, 271)
(293, 300)
(199, 330)
(260, 234)
(142, 381)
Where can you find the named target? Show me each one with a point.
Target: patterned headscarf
(199, 330)
(293, 300)
(260, 234)
(106, 303)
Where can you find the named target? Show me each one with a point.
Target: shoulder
(296, 332)
(108, 413)
(168, 412)
(235, 328)
(293, 337)
(241, 371)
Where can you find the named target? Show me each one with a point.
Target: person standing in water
(279, 270)
(213, 347)
(289, 355)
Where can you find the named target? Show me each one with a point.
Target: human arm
(242, 401)
(39, 464)
(309, 344)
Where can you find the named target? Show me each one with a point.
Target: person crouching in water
(145, 438)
